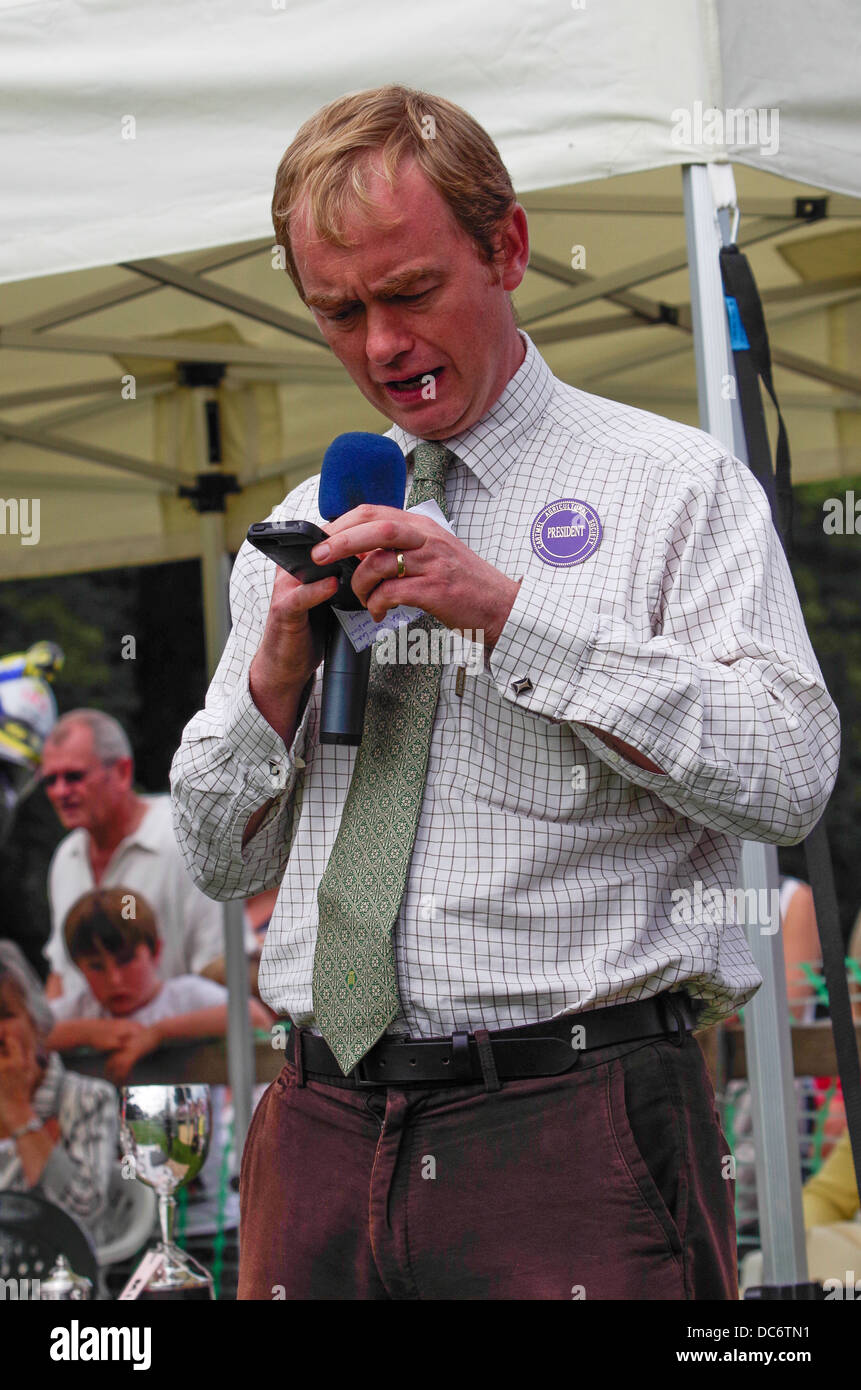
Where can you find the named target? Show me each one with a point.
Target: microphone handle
(345, 688)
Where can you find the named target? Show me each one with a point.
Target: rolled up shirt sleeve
(724, 693)
(231, 761)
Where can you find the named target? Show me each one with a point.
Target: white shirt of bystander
(148, 861)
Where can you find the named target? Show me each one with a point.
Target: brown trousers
(608, 1182)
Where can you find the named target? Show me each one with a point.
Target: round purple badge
(566, 532)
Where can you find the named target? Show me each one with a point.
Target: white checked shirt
(544, 865)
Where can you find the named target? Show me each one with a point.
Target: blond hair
(327, 163)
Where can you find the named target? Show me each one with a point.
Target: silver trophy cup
(165, 1130)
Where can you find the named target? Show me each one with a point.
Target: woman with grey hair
(58, 1130)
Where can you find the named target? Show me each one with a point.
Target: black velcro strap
(752, 359)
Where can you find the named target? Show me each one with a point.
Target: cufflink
(521, 685)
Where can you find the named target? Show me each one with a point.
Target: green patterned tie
(355, 987)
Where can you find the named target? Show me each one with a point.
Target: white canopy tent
(139, 151)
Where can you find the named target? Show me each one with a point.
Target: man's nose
(386, 334)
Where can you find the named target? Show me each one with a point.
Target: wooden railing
(813, 1051)
(198, 1062)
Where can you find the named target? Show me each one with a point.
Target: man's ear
(511, 250)
(125, 769)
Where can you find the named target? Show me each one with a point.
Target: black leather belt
(538, 1049)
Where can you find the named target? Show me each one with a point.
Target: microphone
(357, 468)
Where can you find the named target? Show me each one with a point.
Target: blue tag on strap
(737, 336)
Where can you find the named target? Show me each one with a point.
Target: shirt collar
(491, 446)
(146, 835)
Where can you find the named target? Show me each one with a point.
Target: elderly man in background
(118, 837)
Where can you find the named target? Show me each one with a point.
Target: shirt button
(521, 685)
(277, 775)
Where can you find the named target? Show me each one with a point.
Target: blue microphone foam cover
(360, 467)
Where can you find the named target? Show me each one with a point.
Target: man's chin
(424, 418)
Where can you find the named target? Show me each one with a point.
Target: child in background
(125, 1008)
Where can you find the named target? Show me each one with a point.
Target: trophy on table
(165, 1131)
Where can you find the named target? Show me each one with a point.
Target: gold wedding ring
(402, 569)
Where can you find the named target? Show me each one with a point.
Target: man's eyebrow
(407, 279)
(396, 284)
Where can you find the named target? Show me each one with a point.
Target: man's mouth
(413, 383)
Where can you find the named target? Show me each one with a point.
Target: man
(118, 837)
(493, 1091)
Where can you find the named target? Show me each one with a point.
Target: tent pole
(215, 580)
(215, 572)
(768, 1046)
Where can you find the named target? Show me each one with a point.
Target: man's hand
(109, 1034)
(443, 576)
(289, 652)
(120, 1063)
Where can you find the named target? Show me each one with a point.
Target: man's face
(122, 981)
(416, 300)
(82, 790)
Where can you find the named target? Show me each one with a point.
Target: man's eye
(410, 298)
(343, 314)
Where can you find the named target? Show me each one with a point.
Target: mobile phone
(289, 544)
